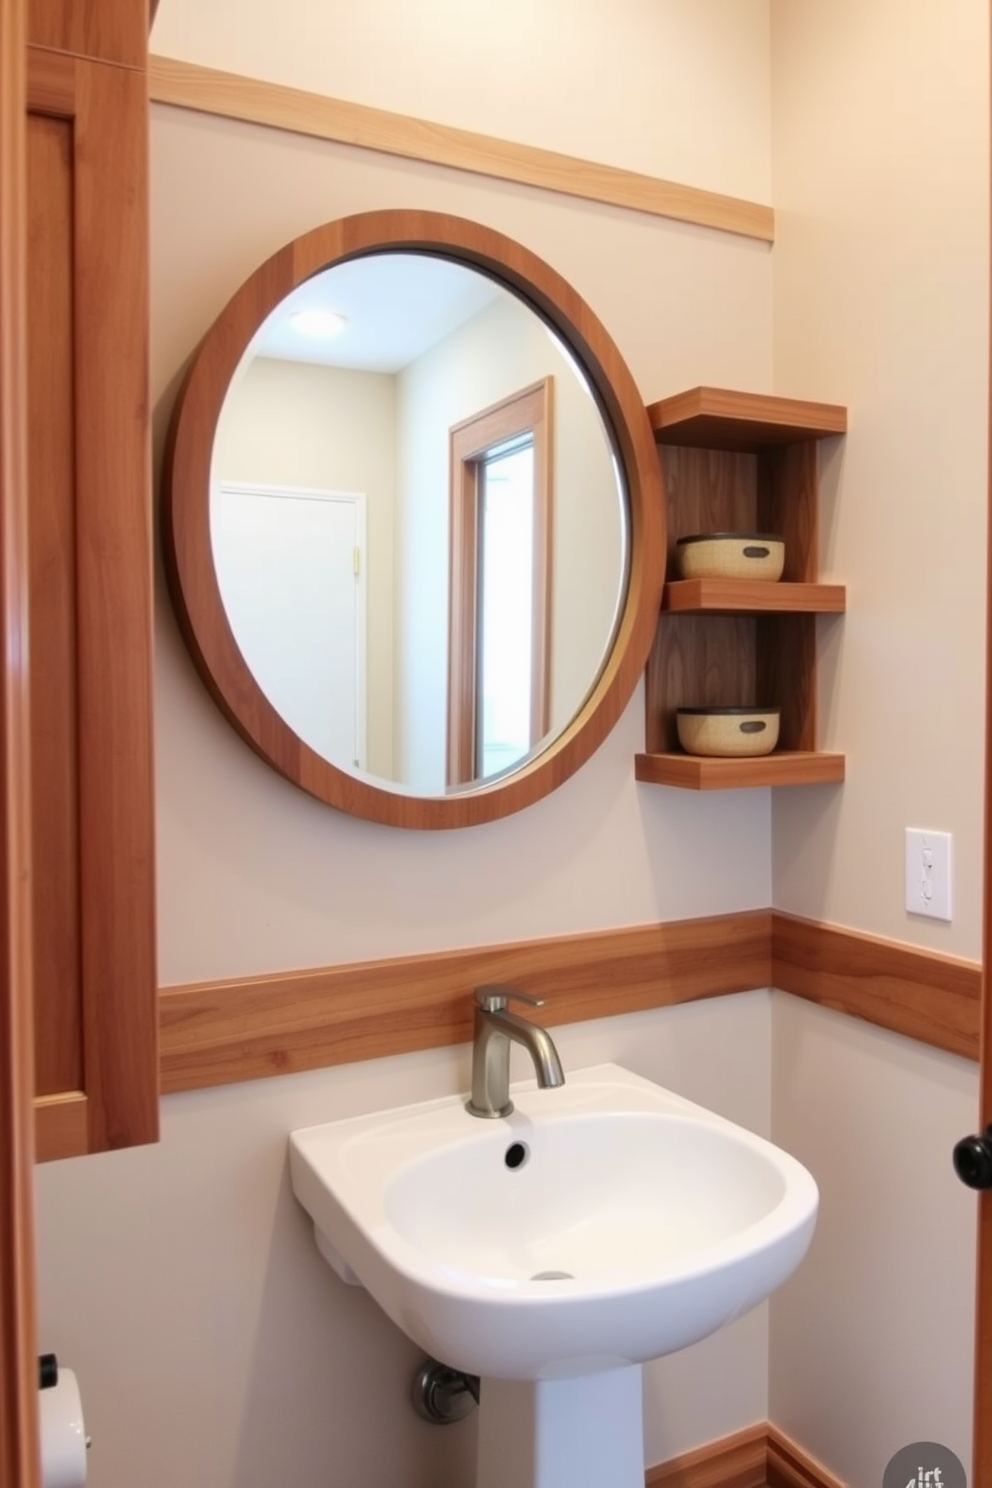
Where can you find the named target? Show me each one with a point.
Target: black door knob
(973, 1160)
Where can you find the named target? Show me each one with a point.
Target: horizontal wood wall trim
(925, 995)
(216, 1033)
(255, 101)
(758, 1456)
(61, 1125)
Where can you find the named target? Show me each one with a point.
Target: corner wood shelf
(740, 462)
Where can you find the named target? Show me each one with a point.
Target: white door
(291, 569)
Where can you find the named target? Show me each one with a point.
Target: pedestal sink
(554, 1251)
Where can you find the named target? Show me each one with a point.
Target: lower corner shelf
(699, 772)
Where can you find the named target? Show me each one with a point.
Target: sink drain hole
(516, 1154)
(553, 1276)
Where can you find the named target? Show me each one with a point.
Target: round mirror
(413, 520)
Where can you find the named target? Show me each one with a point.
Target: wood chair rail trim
(214, 1033)
(222, 1032)
(254, 101)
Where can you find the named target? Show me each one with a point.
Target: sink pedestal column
(564, 1433)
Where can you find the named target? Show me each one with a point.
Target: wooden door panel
(52, 599)
(114, 32)
(90, 577)
(19, 1462)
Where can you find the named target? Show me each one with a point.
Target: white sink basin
(635, 1223)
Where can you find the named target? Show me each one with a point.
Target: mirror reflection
(417, 522)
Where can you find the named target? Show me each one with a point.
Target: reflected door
(291, 567)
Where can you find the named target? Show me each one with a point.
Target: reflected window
(498, 675)
(506, 607)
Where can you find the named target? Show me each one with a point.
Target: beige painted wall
(643, 84)
(871, 1342)
(880, 171)
(255, 876)
(211, 1344)
(881, 295)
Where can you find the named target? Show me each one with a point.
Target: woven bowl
(731, 733)
(731, 555)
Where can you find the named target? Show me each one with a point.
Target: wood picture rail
(254, 101)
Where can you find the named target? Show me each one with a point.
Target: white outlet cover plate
(928, 873)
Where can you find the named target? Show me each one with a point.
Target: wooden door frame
(19, 1452)
(982, 1448)
(529, 410)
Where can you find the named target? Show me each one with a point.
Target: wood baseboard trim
(927, 996)
(789, 1466)
(737, 1461)
(759, 1457)
(216, 1033)
(255, 101)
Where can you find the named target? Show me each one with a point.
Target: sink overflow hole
(516, 1154)
(553, 1276)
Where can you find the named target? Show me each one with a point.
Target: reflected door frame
(531, 410)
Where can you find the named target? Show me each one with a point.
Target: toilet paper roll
(63, 1435)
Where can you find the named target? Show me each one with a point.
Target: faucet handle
(494, 999)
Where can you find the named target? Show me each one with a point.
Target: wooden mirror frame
(186, 515)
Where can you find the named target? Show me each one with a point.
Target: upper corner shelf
(716, 418)
(744, 462)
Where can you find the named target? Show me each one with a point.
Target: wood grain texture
(783, 767)
(785, 653)
(53, 605)
(707, 490)
(788, 492)
(101, 30)
(751, 596)
(216, 1033)
(926, 996)
(93, 562)
(697, 661)
(114, 576)
(61, 1125)
(737, 1461)
(219, 1032)
(752, 1458)
(981, 1464)
(748, 463)
(254, 101)
(19, 1461)
(188, 552)
(789, 1466)
(720, 418)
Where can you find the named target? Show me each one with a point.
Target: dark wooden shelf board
(696, 772)
(717, 418)
(751, 597)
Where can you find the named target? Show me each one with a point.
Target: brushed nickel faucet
(495, 1028)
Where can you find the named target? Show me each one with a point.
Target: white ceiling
(396, 306)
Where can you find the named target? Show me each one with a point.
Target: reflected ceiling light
(318, 324)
